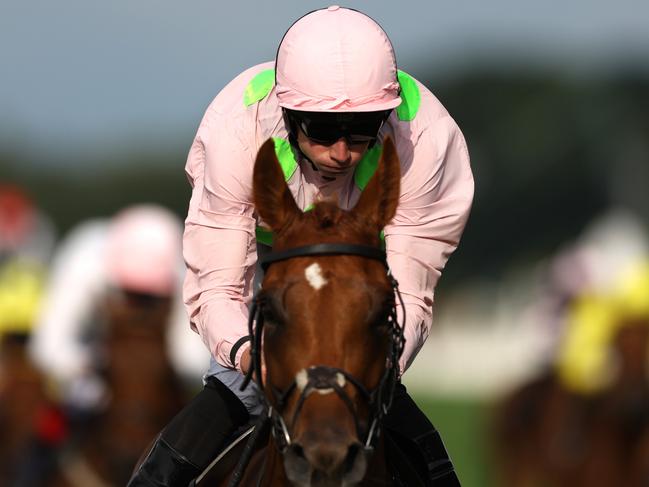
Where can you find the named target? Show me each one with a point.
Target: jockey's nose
(340, 153)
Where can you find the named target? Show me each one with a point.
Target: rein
(321, 377)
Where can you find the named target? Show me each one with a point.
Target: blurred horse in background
(31, 424)
(549, 433)
(620, 431)
(143, 394)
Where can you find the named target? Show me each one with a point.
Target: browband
(325, 249)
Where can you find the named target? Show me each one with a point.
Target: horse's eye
(268, 314)
(383, 314)
(271, 317)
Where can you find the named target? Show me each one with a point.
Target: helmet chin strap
(291, 128)
(292, 138)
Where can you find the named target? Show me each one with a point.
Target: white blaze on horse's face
(314, 276)
(302, 381)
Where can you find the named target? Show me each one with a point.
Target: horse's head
(330, 338)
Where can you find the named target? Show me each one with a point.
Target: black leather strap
(325, 249)
(235, 348)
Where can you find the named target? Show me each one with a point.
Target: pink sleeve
(436, 196)
(219, 242)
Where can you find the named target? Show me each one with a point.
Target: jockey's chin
(333, 159)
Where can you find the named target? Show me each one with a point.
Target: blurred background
(100, 102)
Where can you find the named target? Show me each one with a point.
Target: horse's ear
(273, 200)
(378, 202)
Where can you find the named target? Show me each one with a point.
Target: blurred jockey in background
(31, 425)
(135, 254)
(24, 229)
(587, 361)
(592, 264)
(21, 289)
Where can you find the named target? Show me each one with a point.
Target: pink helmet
(336, 60)
(144, 250)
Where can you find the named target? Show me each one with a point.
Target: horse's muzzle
(325, 464)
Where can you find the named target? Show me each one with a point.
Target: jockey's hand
(245, 360)
(246, 364)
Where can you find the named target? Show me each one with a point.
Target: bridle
(321, 377)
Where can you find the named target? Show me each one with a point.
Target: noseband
(320, 377)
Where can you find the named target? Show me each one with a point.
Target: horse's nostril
(296, 465)
(297, 450)
(352, 453)
(355, 464)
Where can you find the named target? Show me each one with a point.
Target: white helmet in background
(144, 250)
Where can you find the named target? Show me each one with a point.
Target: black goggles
(327, 128)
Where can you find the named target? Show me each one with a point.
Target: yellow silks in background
(584, 361)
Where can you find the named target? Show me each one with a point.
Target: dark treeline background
(549, 152)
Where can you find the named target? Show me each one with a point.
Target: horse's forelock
(327, 214)
(327, 220)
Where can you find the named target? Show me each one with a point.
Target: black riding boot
(421, 441)
(192, 439)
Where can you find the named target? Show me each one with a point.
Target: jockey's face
(334, 158)
(335, 142)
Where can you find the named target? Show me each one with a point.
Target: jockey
(330, 97)
(584, 360)
(136, 251)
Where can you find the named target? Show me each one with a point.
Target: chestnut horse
(331, 341)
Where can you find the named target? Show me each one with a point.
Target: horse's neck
(142, 382)
(138, 363)
(144, 394)
(22, 394)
